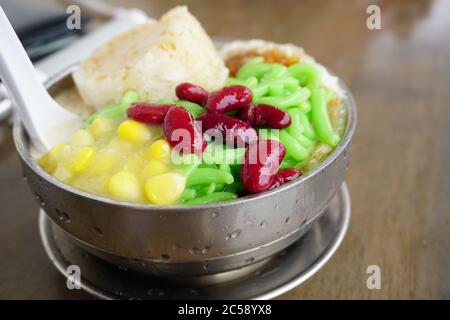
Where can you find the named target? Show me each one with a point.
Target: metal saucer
(283, 272)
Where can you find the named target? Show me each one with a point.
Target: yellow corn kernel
(125, 186)
(100, 127)
(43, 162)
(165, 189)
(82, 160)
(159, 150)
(154, 168)
(82, 138)
(134, 131)
(50, 160)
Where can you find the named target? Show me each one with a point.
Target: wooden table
(399, 178)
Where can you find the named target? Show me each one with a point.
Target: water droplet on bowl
(250, 260)
(59, 214)
(303, 222)
(263, 224)
(63, 216)
(193, 250)
(233, 235)
(215, 214)
(287, 220)
(205, 249)
(165, 257)
(40, 200)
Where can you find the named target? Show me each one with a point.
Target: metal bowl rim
(18, 132)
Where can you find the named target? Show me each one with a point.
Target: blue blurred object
(41, 28)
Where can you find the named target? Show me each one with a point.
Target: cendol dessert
(177, 123)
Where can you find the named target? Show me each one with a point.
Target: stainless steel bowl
(183, 241)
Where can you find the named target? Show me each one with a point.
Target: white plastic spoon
(39, 113)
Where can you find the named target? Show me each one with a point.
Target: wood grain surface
(399, 178)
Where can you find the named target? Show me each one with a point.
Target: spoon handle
(36, 108)
(20, 78)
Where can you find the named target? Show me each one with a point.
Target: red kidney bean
(234, 131)
(229, 98)
(265, 115)
(148, 113)
(181, 131)
(191, 92)
(261, 164)
(285, 175)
